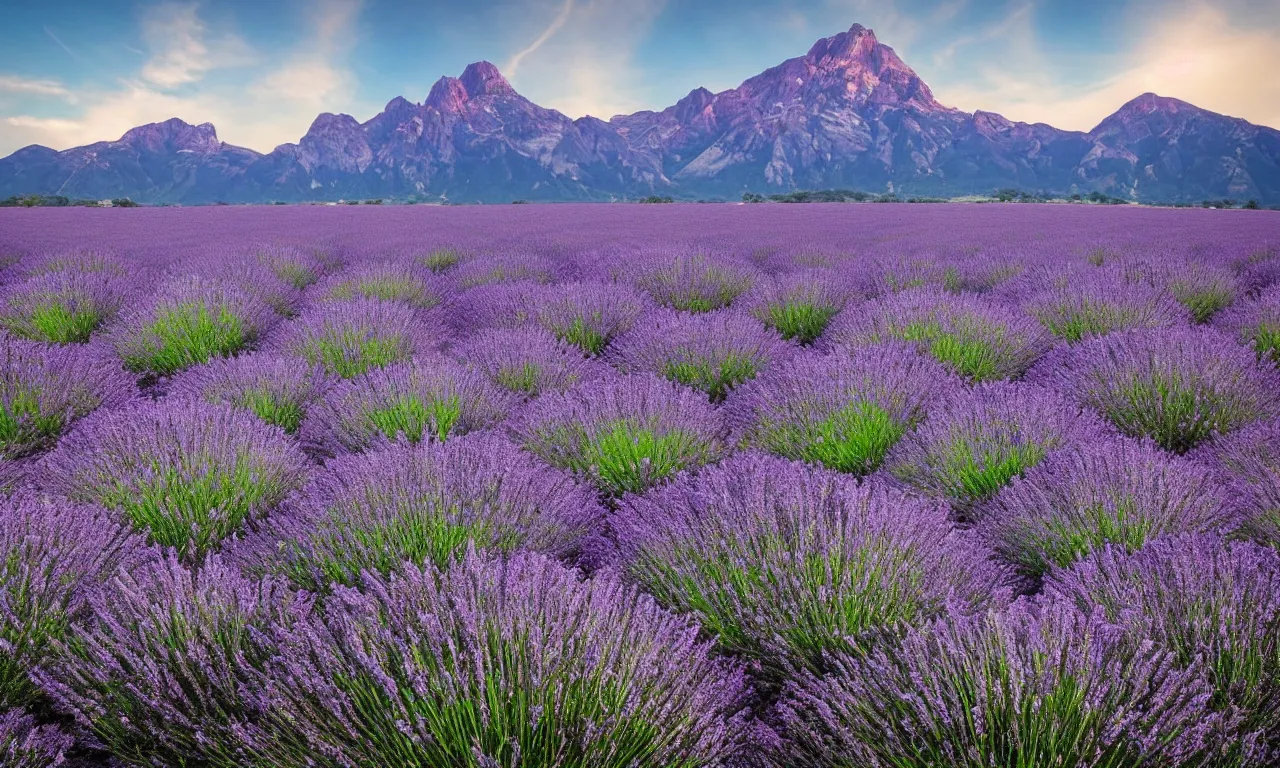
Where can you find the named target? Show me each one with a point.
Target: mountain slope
(849, 113)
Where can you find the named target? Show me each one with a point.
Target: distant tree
(1252, 205)
(655, 199)
(123, 202)
(752, 197)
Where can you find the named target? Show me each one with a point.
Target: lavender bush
(506, 268)
(977, 339)
(51, 554)
(1178, 386)
(843, 411)
(388, 281)
(1200, 599)
(278, 390)
(1255, 323)
(44, 390)
(350, 338)
(64, 307)
(975, 442)
(430, 399)
(1101, 301)
(422, 504)
(162, 669)
(187, 473)
(555, 671)
(1110, 492)
(693, 283)
(589, 315)
(527, 361)
(712, 352)
(623, 434)
(295, 267)
(190, 321)
(1031, 686)
(784, 563)
(800, 305)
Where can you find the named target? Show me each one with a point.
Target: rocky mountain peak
(482, 79)
(174, 134)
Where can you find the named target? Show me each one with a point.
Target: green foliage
(583, 336)
(386, 288)
(1203, 301)
(652, 199)
(54, 321)
(970, 474)
(349, 352)
(441, 259)
(624, 457)
(1169, 409)
(973, 358)
(23, 428)
(184, 335)
(522, 379)
(800, 321)
(264, 404)
(854, 438)
(195, 504)
(412, 417)
(716, 378)
(1266, 339)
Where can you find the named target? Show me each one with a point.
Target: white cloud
(183, 50)
(34, 86)
(272, 108)
(1196, 54)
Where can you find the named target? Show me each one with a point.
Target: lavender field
(627, 486)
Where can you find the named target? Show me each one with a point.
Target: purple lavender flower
(188, 473)
(1178, 386)
(161, 671)
(589, 315)
(388, 281)
(74, 262)
(350, 338)
(51, 553)
(1115, 491)
(976, 338)
(23, 744)
(844, 410)
(784, 562)
(423, 503)
(505, 268)
(1100, 301)
(712, 352)
(692, 283)
(496, 305)
(1255, 323)
(623, 434)
(440, 260)
(45, 389)
(1200, 599)
(429, 399)
(1248, 462)
(63, 307)
(1032, 686)
(190, 321)
(254, 276)
(500, 663)
(800, 305)
(278, 390)
(974, 442)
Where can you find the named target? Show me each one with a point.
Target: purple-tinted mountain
(848, 114)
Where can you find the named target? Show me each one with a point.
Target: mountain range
(848, 114)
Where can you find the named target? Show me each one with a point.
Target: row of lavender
(289, 507)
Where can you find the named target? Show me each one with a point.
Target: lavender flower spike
(23, 744)
(527, 361)
(278, 390)
(1248, 462)
(350, 338)
(590, 315)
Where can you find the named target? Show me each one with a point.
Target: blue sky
(84, 70)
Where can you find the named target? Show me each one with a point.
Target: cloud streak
(35, 87)
(513, 64)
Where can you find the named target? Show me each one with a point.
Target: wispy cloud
(34, 87)
(64, 46)
(513, 64)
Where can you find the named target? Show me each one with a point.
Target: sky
(77, 71)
